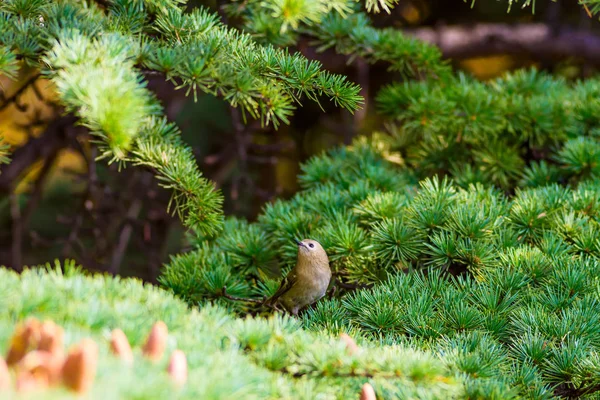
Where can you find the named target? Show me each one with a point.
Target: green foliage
(528, 311)
(159, 146)
(354, 36)
(194, 47)
(276, 20)
(97, 59)
(592, 5)
(522, 264)
(490, 132)
(396, 242)
(339, 25)
(373, 5)
(326, 212)
(4, 152)
(8, 63)
(227, 357)
(471, 229)
(386, 226)
(84, 68)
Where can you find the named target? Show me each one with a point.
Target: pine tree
(463, 238)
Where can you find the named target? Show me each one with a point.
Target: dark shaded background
(63, 205)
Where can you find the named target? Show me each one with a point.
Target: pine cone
(4, 375)
(79, 369)
(351, 345)
(367, 392)
(156, 342)
(25, 338)
(120, 347)
(42, 366)
(178, 367)
(51, 338)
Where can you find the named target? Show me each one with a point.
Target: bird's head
(311, 251)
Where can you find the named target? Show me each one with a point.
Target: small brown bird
(308, 281)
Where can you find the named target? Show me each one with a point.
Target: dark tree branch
(352, 286)
(39, 94)
(103, 3)
(92, 179)
(36, 121)
(537, 40)
(6, 101)
(56, 136)
(351, 374)
(127, 230)
(553, 15)
(124, 236)
(271, 147)
(234, 298)
(271, 160)
(225, 154)
(570, 392)
(242, 138)
(20, 219)
(151, 72)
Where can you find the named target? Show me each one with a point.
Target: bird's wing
(286, 285)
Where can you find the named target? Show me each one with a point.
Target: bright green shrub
(228, 357)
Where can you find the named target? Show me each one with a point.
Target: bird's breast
(319, 277)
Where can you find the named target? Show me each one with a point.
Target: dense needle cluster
(464, 239)
(501, 281)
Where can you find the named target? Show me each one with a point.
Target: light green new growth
(228, 357)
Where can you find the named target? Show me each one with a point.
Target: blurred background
(55, 202)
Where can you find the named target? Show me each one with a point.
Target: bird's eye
(311, 245)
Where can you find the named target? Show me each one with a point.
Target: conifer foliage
(228, 357)
(97, 54)
(464, 239)
(493, 264)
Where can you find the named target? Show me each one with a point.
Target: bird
(308, 281)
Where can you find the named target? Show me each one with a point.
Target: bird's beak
(299, 243)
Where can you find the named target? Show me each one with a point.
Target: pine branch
(57, 135)
(247, 300)
(570, 392)
(127, 229)
(14, 98)
(591, 7)
(38, 188)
